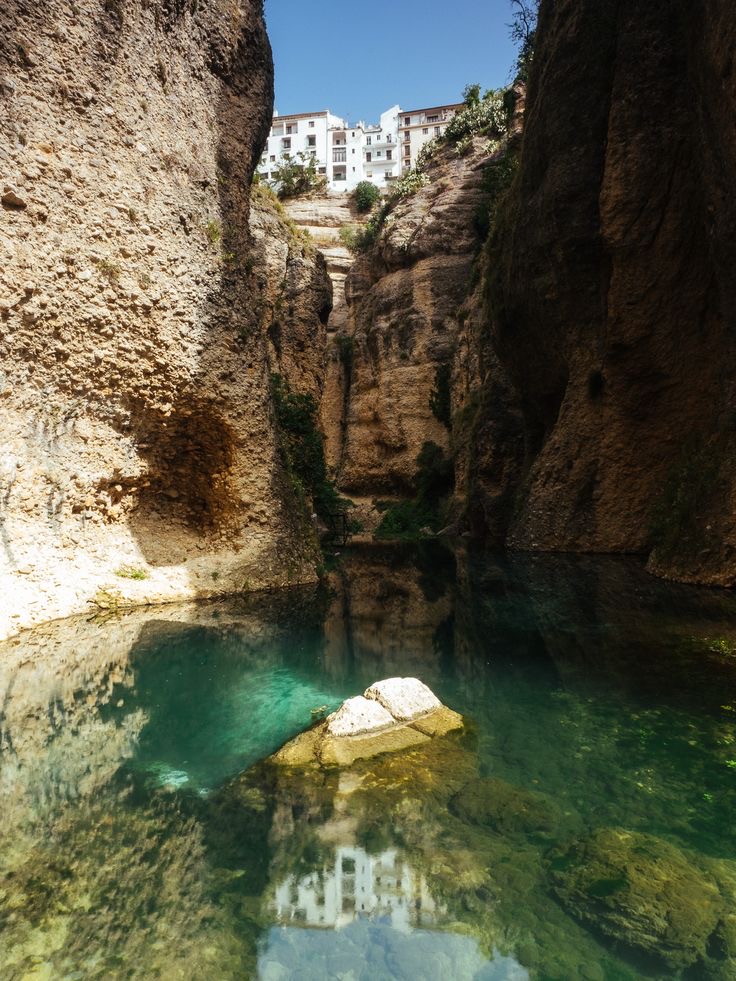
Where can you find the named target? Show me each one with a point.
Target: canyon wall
(403, 299)
(138, 456)
(611, 285)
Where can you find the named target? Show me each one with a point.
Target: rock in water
(404, 698)
(393, 714)
(357, 716)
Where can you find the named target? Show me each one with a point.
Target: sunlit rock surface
(392, 715)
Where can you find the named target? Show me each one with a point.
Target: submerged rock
(505, 808)
(640, 890)
(392, 715)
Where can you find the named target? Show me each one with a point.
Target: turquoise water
(582, 826)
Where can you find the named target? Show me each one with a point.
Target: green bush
(298, 175)
(361, 238)
(487, 114)
(413, 519)
(365, 196)
(302, 447)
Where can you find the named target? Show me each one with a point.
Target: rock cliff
(403, 301)
(610, 278)
(138, 455)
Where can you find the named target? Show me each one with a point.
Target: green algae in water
(142, 837)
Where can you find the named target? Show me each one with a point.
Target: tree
(365, 196)
(298, 175)
(471, 95)
(523, 30)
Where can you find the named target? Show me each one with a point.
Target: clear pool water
(582, 826)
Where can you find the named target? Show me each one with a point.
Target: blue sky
(358, 58)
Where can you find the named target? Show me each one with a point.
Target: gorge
(510, 380)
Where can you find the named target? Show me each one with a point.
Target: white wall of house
(419, 126)
(345, 155)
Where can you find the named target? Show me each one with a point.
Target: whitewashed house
(419, 126)
(345, 155)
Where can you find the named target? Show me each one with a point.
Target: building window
(273, 158)
(389, 155)
(378, 154)
(407, 121)
(311, 124)
(425, 131)
(322, 170)
(289, 129)
(286, 143)
(353, 152)
(368, 140)
(437, 130)
(407, 137)
(368, 157)
(311, 141)
(432, 119)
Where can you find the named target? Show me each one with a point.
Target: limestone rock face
(403, 299)
(612, 287)
(407, 714)
(138, 458)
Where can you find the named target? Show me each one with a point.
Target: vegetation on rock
(302, 447)
(298, 175)
(423, 514)
(365, 196)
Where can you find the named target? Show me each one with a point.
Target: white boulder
(404, 698)
(357, 716)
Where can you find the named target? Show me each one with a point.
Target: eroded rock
(404, 698)
(640, 890)
(364, 726)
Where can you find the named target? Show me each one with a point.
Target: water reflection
(357, 884)
(141, 835)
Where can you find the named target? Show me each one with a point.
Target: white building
(344, 154)
(381, 161)
(419, 126)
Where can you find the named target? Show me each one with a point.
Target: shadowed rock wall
(612, 289)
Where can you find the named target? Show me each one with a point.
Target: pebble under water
(581, 827)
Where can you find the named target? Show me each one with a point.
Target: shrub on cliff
(486, 115)
(422, 515)
(298, 175)
(302, 447)
(365, 196)
(360, 238)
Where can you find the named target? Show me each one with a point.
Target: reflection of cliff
(387, 610)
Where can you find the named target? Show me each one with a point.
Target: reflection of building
(419, 126)
(359, 885)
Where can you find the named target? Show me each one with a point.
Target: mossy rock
(641, 891)
(505, 808)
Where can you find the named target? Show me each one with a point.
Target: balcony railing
(339, 156)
